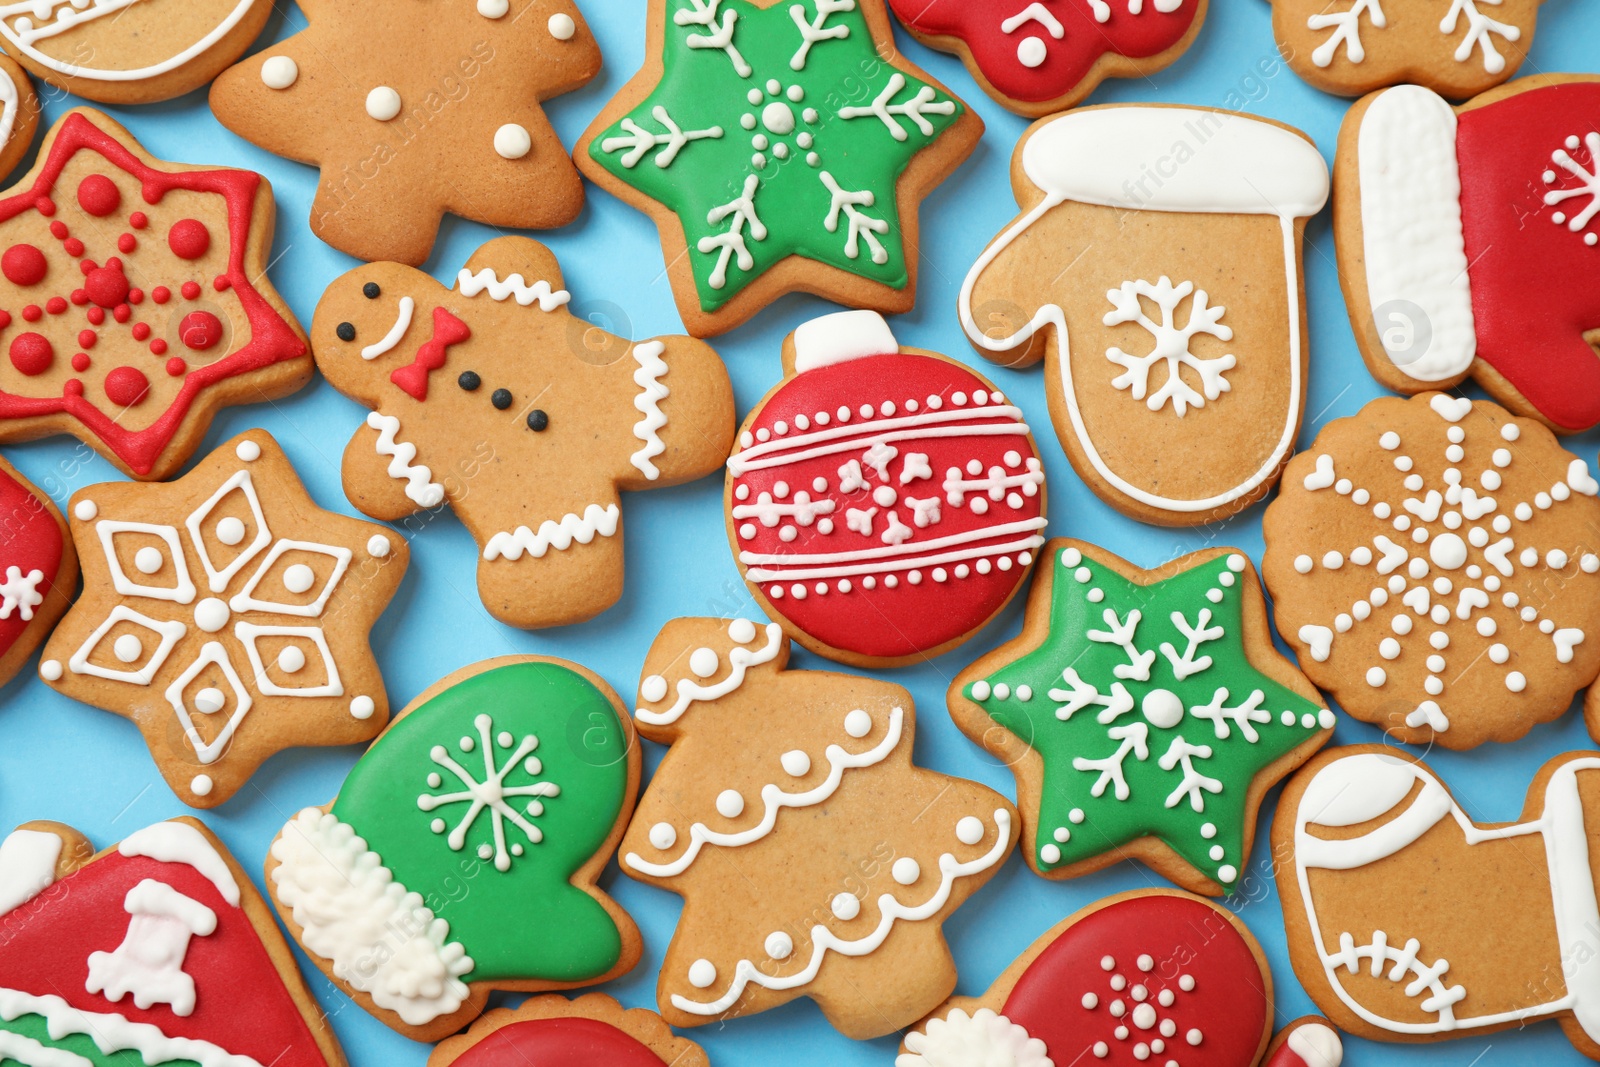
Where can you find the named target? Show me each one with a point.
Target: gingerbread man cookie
(1044, 56)
(1469, 242)
(463, 853)
(780, 147)
(134, 299)
(1156, 269)
(1409, 921)
(814, 858)
(226, 615)
(156, 951)
(38, 569)
(556, 1032)
(1433, 563)
(491, 396)
(1151, 976)
(419, 109)
(1144, 713)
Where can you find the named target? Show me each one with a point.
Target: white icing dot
(279, 72)
(1145, 963)
(704, 662)
(703, 972)
(383, 103)
(292, 659)
(363, 707)
(730, 804)
(1303, 564)
(85, 510)
(209, 701)
(512, 141)
(1194, 1037)
(299, 578)
(1227, 872)
(663, 836)
(779, 945)
(1107, 963)
(1376, 676)
(201, 785)
(128, 648)
(1144, 1016)
(1389, 441)
(742, 631)
(858, 723)
(795, 763)
(653, 688)
(981, 690)
(1090, 1001)
(1075, 816)
(561, 26)
(846, 906)
(378, 545)
(906, 870)
(148, 560)
(1208, 830)
(1516, 681)
(248, 451)
(969, 831)
(1050, 854)
(493, 9)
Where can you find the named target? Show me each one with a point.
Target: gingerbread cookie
(556, 1032)
(1145, 714)
(463, 853)
(1454, 47)
(419, 109)
(780, 147)
(1408, 921)
(38, 569)
(134, 300)
(19, 114)
(1180, 394)
(157, 951)
(1432, 562)
(493, 397)
(226, 615)
(1041, 57)
(1151, 976)
(884, 502)
(1469, 243)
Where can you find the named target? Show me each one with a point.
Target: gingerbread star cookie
(134, 299)
(780, 147)
(38, 569)
(226, 615)
(419, 109)
(1145, 714)
(553, 1031)
(493, 397)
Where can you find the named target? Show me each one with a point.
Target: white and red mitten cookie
(38, 569)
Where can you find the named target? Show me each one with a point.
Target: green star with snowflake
(1148, 715)
(773, 132)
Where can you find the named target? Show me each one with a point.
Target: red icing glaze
(240, 1002)
(447, 330)
(23, 264)
(98, 195)
(32, 353)
(559, 1043)
(1182, 936)
(1535, 284)
(200, 330)
(30, 540)
(189, 239)
(269, 338)
(1066, 60)
(908, 609)
(126, 386)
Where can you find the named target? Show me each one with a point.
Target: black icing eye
(501, 398)
(538, 421)
(346, 331)
(371, 291)
(469, 380)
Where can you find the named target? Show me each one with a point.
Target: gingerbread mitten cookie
(1389, 889)
(414, 109)
(464, 851)
(1432, 562)
(1182, 388)
(885, 502)
(814, 858)
(780, 147)
(1469, 242)
(156, 951)
(556, 1032)
(1144, 713)
(134, 299)
(226, 615)
(38, 569)
(1151, 976)
(1041, 57)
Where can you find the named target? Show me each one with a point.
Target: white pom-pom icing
(982, 1039)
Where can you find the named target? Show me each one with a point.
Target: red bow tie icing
(129, 305)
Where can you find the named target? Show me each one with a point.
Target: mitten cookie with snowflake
(463, 853)
(38, 569)
(1144, 713)
(1469, 242)
(1151, 976)
(1156, 269)
(814, 858)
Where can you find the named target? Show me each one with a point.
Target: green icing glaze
(760, 160)
(1122, 704)
(37, 1028)
(526, 921)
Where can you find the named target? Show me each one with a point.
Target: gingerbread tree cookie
(814, 858)
(38, 569)
(418, 109)
(1432, 561)
(226, 615)
(1144, 713)
(780, 147)
(556, 1032)
(493, 397)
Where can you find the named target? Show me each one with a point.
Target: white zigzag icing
(470, 284)
(420, 486)
(651, 392)
(595, 521)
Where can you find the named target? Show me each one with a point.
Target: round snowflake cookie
(883, 503)
(1433, 562)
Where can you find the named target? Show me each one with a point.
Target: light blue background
(61, 760)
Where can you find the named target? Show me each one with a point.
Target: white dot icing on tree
(279, 72)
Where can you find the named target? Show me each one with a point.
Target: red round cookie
(883, 503)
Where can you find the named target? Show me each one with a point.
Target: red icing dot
(80, 296)
(122, 312)
(32, 353)
(221, 283)
(73, 246)
(135, 295)
(127, 242)
(58, 230)
(176, 366)
(200, 330)
(98, 195)
(32, 312)
(87, 338)
(86, 266)
(138, 220)
(72, 387)
(80, 362)
(55, 305)
(45, 206)
(141, 331)
(107, 286)
(23, 265)
(126, 386)
(95, 315)
(5, 319)
(191, 290)
(160, 294)
(189, 238)
(158, 346)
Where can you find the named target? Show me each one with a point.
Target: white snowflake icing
(1347, 31)
(20, 593)
(920, 104)
(742, 211)
(813, 30)
(862, 227)
(1575, 217)
(1346, 26)
(719, 33)
(1171, 344)
(640, 140)
(1480, 33)
(982, 1038)
(490, 792)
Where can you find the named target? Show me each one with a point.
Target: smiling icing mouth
(402, 323)
(596, 521)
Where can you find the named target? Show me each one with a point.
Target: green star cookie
(773, 130)
(1143, 704)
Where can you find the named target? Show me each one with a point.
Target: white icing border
(652, 368)
(166, 66)
(739, 660)
(111, 1033)
(595, 521)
